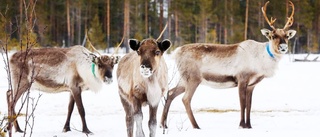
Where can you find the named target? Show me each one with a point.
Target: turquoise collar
(92, 69)
(268, 50)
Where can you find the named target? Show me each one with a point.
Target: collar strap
(92, 69)
(268, 50)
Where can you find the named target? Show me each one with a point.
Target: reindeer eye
(157, 52)
(274, 36)
(287, 36)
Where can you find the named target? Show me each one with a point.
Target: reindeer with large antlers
(241, 65)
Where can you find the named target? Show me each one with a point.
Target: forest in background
(58, 23)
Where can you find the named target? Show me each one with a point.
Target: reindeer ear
(134, 44)
(164, 45)
(291, 33)
(266, 33)
(94, 58)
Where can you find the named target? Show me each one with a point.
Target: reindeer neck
(272, 55)
(269, 51)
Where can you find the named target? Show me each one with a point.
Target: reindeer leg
(138, 117)
(242, 97)
(66, 127)
(170, 96)
(76, 92)
(12, 98)
(11, 113)
(152, 120)
(129, 116)
(248, 106)
(190, 89)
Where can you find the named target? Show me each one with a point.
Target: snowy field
(287, 104)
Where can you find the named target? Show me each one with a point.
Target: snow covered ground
(287, 104)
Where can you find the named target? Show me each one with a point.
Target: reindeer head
(150, 52)
(278, 38)
(104, 65)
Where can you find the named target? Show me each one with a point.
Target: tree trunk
(53, 23)
(232, 22)
(68, 24)
(176, 28)
(246, 20)
(169, 20)
(126, 22)
(72, 22)
(79, 22)
(260, 21)
(31, 11)
(161, 16)
(317, 18)
(146, 18)
(108, 24)
(225, 28)
(21, 17)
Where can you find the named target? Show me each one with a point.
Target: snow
(287, 104)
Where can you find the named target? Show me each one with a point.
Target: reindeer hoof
(248, 126)
(87, 131)
(164, 126)
(19, 131)
(66, 129)
(245, 126)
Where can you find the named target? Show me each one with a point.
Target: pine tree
(96, 34)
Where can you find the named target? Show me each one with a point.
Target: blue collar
(268, 50)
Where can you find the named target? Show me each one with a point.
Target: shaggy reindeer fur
(56, 70)
(142, 78)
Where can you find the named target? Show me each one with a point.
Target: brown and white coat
(55, 70)
(142, 79)
(241, 65)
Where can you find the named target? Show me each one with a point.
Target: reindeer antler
(290, 19)
(264, 10)
(90, 44)
(117, 48)
(165, 27)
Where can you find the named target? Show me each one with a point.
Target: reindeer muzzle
(108, 80)
(145, 71)
(283, 48)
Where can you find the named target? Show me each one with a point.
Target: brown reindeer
(142, 78)
(241, 65)
(56, 70)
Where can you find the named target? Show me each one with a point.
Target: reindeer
(142, 78)
(55, 70)
(241, 65)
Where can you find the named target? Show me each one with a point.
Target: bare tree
(146, 8)
(107, 20)
(246, 20)
(126, 23)
(68, 22)
(161, 15)
(225, 32)
(27, 102)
